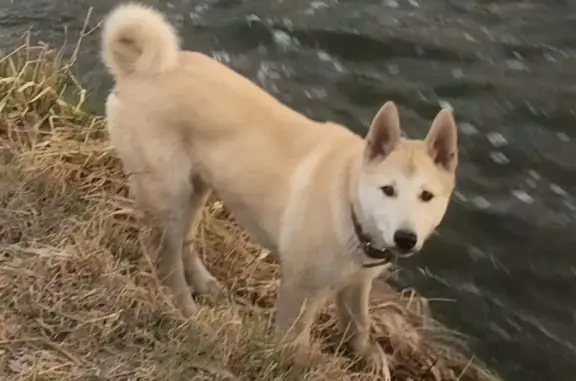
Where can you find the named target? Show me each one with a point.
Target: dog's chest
(253, 226)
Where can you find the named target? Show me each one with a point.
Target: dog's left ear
(384, 132)
(442, 140)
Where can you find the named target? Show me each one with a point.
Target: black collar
(386, 256)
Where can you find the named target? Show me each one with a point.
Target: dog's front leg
(353, 314)
(296, 308)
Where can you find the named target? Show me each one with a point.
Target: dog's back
(176, 112)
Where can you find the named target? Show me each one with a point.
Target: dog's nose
(405, 239)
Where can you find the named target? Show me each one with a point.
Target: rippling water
(505, 252)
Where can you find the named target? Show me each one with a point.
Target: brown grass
(80, 300)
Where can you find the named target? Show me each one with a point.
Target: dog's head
(405, 185)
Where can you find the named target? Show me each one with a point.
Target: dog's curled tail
(138, 40)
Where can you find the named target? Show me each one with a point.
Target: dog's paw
(211, 289)
(189, 308)
(180, 295)
(185, 304)
(376, 360)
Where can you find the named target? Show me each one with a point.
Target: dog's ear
(384, 132)
(442, 140)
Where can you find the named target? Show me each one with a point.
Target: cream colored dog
(332, 206)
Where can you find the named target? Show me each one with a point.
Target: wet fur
(184, 125)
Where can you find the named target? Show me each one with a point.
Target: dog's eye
(388, 190)
(426, 196)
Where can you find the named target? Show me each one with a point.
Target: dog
(333, 207)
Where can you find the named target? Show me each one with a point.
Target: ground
(79, 296)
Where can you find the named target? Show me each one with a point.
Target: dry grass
(80, 301)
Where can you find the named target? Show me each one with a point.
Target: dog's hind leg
(197, 275)
(166, 203)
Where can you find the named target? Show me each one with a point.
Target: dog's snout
(405, 239)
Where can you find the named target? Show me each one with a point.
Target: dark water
(505, 252)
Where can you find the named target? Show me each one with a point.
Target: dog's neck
(383, 256)
(363, 239)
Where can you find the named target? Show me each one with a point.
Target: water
(505, 252)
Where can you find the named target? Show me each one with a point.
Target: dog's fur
(184, 124)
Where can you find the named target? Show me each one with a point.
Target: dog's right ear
(384, 132)
(442, 140)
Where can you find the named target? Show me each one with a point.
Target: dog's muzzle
(382, 256)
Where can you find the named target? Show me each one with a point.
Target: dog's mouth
(385, 255)
(401, 254)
